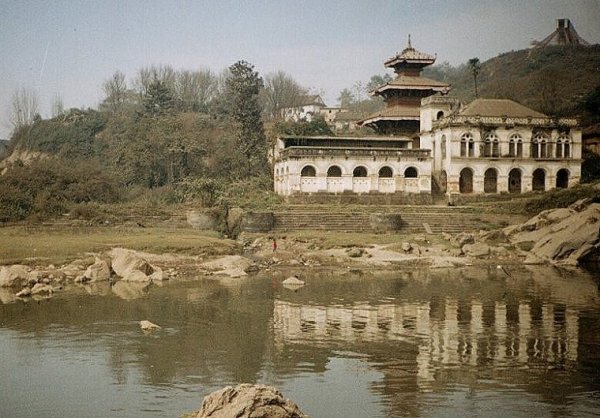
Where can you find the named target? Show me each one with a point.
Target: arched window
(308, 171)
(334, 171)
(359, 171)
(385, 172)
(443, 146)
(539, 146)
(491, 145)
(563, 147)
(439, 115)
(515, 146)
(410, 172)
(467, 145)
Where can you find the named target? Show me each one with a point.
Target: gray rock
(293, 283)
(355, 252)
(131, 267)
(571, 240)
(248, 401)
(42, 289)
(148, 326)
(476, 250)
(14, 276)
(26, 292)
(406, 247)
(97, 272)
(459, 240)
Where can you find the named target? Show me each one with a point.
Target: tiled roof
(348, 116)
(394, 113)
(499, 107)
(404, 82)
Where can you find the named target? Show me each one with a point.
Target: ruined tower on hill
(565, 34)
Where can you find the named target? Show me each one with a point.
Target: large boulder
(132, 267)
(97, 272)
(248, 401)
(570, 240)
(14, 276)
(478, 249)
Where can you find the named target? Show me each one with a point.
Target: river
(469, 342)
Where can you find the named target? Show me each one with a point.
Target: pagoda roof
(499, 107)
(394, 113)
(410, 56)
(404, 82)
(564, 34)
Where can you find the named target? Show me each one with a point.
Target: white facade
(499, 154)
(463, 152)
(351, 168)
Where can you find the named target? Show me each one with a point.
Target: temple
(565, 34)
(430, 143)
(403, 95)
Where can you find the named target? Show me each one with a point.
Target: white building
(489, 146)
(309, 107)
(498, 146)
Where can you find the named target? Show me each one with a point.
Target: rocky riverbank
(563, 237)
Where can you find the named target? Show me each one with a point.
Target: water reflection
(348, 344)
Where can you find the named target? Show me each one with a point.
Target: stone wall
(258, 221)
(363, 199)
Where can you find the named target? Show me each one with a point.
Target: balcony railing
(299, 152)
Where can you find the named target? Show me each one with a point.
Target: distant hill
(553, 80)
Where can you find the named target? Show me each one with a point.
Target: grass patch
(27, 245)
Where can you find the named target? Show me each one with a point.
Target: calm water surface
(465, 342)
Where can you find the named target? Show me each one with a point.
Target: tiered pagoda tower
(565, 34)
(403, 95)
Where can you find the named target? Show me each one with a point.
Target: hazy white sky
(70, 47)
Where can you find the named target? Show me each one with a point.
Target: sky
(68, 48)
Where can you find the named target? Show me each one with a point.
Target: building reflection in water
(448, 335)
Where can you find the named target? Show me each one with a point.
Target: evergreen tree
(158, 100)
(242, 88)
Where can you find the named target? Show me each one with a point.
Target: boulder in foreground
(248, 401)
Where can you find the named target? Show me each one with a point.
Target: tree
(195, 89)
(242, 88)
(281, 91)
(148, 75)
(58, 107)
(158, 99)
(378, 81)
(25, 107)
(346, 98)
(115, 90)
(475, 67)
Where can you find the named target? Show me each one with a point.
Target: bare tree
(194, 89)
(58, 107)
(25, 107)
(281, 91)
(115, 90)
(148, 75)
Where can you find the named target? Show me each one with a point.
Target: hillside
(553, 80)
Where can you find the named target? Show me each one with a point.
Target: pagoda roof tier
(405, 82)
(410, 56)
(394, 113)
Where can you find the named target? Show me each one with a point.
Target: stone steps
(413, 219)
